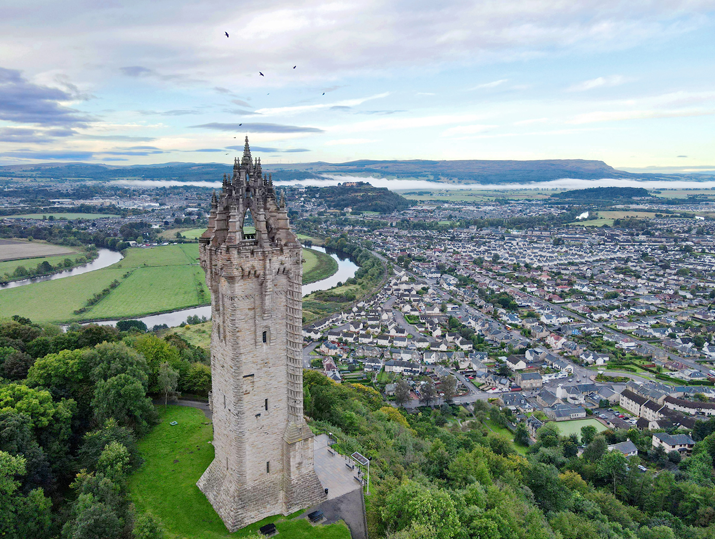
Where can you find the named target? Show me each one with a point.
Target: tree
(674, 457)
(548, 435)
(521, 436)
(595, 449)
(428, 392)
(21, 516)
(588, 433)
(126, 325)
(168, 381)
(147, 526)
(613, 465)
(198, 379)
(449, 387)
(114, 462)
(402, 392)
(17, 365)
(544, 482)
(413, 504)
(123, 398)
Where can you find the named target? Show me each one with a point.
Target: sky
(124, 82)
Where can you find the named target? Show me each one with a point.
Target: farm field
(63, 216)
(188, 233)
(151, 280)
(316, 241)
(10, 266)
(317, 266)
(165, 485)
(607, 217)
(20, 249)
(574, 427)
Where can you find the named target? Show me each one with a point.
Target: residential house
(673, 442)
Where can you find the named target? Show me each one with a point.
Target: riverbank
(317, 266)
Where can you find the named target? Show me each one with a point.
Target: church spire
(246, 160)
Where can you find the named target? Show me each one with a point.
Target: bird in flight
(226, 34)
(239, 125)
(294, 67)
(261, 74)
(323, 93)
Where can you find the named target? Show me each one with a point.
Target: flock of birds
(262, 75)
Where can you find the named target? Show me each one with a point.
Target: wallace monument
(263, 462)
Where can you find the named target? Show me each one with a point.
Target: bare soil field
(18, 249)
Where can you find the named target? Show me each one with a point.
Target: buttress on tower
(263, 462)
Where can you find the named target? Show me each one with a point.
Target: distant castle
(263, 461)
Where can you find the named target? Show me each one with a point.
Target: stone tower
(263, 461)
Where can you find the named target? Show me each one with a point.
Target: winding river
(346, 269)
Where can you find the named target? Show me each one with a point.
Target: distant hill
(594, 194)
(360, 196)
(459, 172)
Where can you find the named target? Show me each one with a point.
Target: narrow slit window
(265, 405)
(268, 467)
(224, 401)
(265, 336)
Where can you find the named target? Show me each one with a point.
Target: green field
(10, 266)
(17, 249)
(574, 427)
(167, 488)
(152, 280)
(61, 216)
(317, 266)
(316, 241)
(188, 233)
(607, 217)
(197, 334)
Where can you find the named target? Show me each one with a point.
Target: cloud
(206, 150)
(116, 138)
(32, 135)
(176, 112)
(349, 141)
(340, 107)
(145, 72)
(424, 93)
(142, 148)
(264, 149)
(24, 102)
(307, 108)
(462, 130)
(258, 128)
(620, 115)
(222, 90)
(380, 112)
(532, 121)
(492, 84)
(600, 82)
(242, 112)
(51, 155)
(682, 156)
(241, 103)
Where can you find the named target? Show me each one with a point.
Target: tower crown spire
(246, 160)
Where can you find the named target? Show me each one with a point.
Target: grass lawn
(317, 266)
(63, 216)
(567, 428)
(168, 489)
(160, 279)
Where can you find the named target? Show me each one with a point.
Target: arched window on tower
(249, 226)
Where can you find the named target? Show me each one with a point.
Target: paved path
(345, 500)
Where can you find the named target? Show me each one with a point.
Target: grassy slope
(189, 233)
(198, 334)
(168, 489)
(317, 266)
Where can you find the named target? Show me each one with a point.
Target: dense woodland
(72, 405)
(442, 473)
(360, 196)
